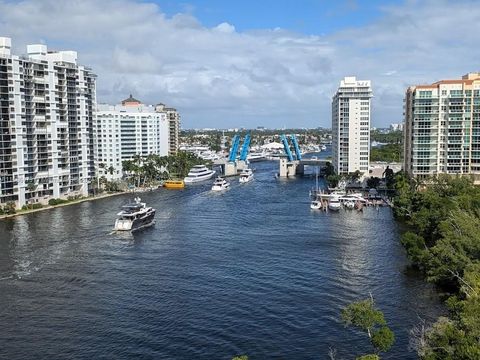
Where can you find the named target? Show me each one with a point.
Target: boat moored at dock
(334, 203)
(135, 216)
(316, 205)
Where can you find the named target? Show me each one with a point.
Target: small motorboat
(334, 203)
(220, 184)
(134, 216)
(316, 205)
(245, 176)
(349, 204)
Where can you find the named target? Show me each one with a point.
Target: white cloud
(225, 27)
(221, 77)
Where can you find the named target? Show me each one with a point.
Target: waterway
(249, 271)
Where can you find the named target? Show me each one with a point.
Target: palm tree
(31, 187)
(137, 169)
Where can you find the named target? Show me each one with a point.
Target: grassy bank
(60, 203)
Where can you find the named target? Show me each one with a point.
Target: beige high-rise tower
(442, 128)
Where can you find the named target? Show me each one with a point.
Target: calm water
(251, 271)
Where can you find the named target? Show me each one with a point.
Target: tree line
(148, 170)
(443, 215)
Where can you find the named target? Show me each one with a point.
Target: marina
(211, 270)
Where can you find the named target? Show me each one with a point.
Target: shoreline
(49, 207)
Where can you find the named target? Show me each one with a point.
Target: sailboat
(316, 203)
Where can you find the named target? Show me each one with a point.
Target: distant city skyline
(245, 64)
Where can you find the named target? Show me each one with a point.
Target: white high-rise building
(351, 126)
(130, 129)
(46, 125)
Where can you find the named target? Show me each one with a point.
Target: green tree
(328, 169)
(354, 176)
(368, 357)
(333, 180)
(373, 182)
(444, 243)
(31, 187)
(388, 153)
(9, 208)
(364, 316)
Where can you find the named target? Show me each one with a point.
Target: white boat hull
(134, 224)
(334, 206)
(192, 180)
(245, 179)
(220, 188)
(316, 205)
(349, 204)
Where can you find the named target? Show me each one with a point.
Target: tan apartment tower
(442, 128)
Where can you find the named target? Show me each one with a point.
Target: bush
(32, 206)
(9, 208)
(54, 202)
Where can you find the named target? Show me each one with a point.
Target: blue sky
(306, 16)
(246, 64)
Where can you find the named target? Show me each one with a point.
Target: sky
(226, 64)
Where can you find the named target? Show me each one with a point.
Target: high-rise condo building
(173, 127)
(46, 125)
(130, 129)
(351, 126)
(442, 128)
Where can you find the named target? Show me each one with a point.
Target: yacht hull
(132, 225)
(188, 180)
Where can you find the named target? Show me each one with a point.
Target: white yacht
(334, 203)
(220, 184)
(257, 156)
(352, 198)
(199, 173)
(134, 216)
(246, 175)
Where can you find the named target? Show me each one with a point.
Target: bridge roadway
(286, 168)
(314, 162)
(304, 161)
